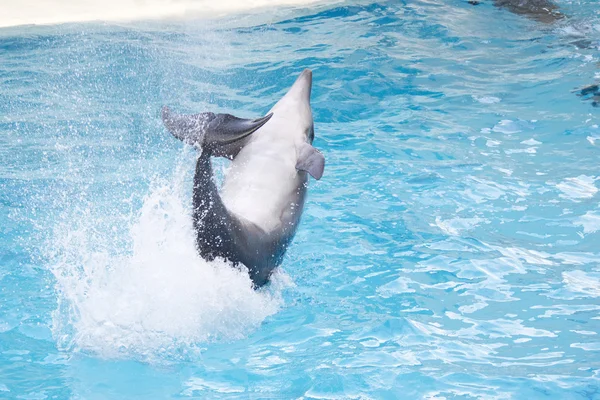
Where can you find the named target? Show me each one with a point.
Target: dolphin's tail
(208, 131)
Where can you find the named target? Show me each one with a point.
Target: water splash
(155, 298)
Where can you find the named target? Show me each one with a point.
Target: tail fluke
(210, 131)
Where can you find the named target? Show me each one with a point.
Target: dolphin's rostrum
(255, 216)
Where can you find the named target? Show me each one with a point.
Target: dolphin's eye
(311, 133)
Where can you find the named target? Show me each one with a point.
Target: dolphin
(254, 217)
(540, 10)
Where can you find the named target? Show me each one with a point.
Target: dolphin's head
(294, 107)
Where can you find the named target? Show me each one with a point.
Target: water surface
(449, 252)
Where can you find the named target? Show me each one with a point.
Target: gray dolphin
(548, 12)
(254, 217)
(540, 10)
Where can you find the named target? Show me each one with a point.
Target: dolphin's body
(254, 218)
(540, 10)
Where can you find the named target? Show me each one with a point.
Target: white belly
(263, 185)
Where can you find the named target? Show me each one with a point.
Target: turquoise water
(451, 250)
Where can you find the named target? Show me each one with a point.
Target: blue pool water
(451, 250)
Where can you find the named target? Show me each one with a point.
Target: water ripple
(450, 251)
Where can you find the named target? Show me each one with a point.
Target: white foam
(398, 286)
(201, 385)
(455, 226)
(593, 346)
(156, 298)
(582, 283)
(590, 222)
(529, 150)
(531, 142)
(43, 12)
(506, 171)
(585, 333)
(580, 187)
(487, 99)
(507, 126)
